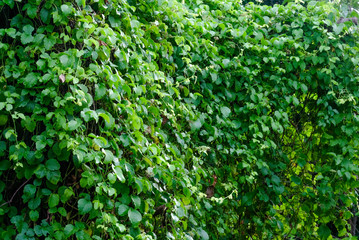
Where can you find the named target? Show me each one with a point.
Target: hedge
(200, 119)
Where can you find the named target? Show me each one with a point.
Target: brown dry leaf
(102, 43)
(210, 192)
(214, 180)
(164, 119)
(62, 78)
(160, 210)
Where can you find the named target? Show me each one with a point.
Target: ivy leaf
(135, 216)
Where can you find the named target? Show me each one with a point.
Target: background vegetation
(177, 120)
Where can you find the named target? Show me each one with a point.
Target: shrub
(116, 118)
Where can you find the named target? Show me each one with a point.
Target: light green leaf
(119, 173)
(225, 112)
(203, 234)
(137, 201)
(66, 9)
(122, 210)
(196, 125)
(28, 29)
(135, 216)
(338, 28)
(100, 91)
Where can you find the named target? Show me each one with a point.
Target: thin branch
(8, 202)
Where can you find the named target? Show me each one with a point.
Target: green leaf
(69, 230)
(2, 149)
(45, 15)
(4, 165)
(225, 112)
(52, 164)
(62, 211)
(29, 124)
(64, 59)
(136, 201)
(338, 28)
(30, 80)
(28, 29)
(276, 180)
(11, 3)
(54, 200)
(40, 171)
(298, 33)
(203, 234)
(238, 32)
(100, 91)
(108, 156)
(49, 42)
(122, 210)
(296, 180)
(119, 173)
(34, 203)
(74, 124)
(26, 38)
(324, 231)
(67, 194)
(32, 11)
(53, 176)
(84, 206)
(66, 9)
(134, 216)
(196, 125)
(34, 215)
(29, 190)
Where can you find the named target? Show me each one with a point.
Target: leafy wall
(177, 120)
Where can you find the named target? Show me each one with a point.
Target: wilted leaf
(62, 78)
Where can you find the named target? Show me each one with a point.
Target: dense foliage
(117, 119)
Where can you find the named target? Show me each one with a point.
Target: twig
(8, 202)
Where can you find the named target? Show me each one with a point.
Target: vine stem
(8, 202)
